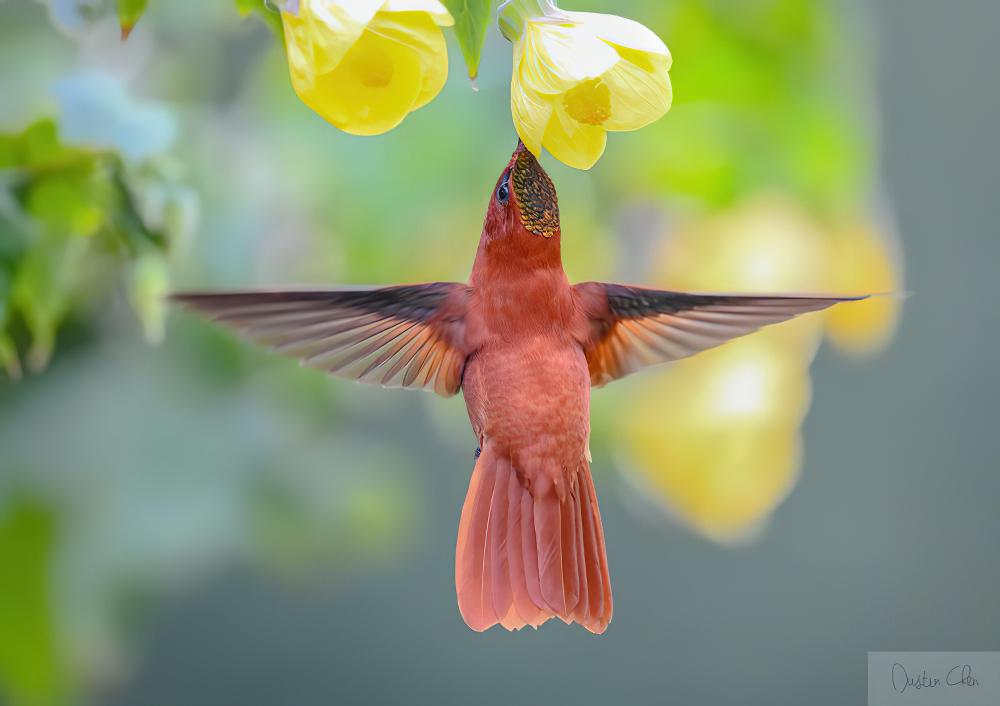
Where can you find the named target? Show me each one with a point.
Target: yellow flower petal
(371, 91)
(577, 75)
(322, 31)
(531, 112)
(557, 56)
(365, 64)
(574, 143)
(638, 96)
(418, 31)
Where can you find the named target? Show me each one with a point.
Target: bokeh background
(186, 520)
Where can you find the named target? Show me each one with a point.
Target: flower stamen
(589, 102)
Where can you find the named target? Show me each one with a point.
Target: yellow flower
(365, 64)
(766, 244)
(865, 260)
(578, 75)
(715, 439)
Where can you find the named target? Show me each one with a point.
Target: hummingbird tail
(526, 556)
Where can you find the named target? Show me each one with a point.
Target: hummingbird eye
(503, 191)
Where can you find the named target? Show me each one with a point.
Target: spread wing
(630, 328)
(403, 336)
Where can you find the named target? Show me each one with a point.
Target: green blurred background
(186, 520)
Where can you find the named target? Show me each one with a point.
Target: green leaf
(69, 216)
(129, 12)
(30, 670)
(247, 6)
(9, 359)
(148, 286)
(472, 17)
(66, 203)
(37, 144)
(43, 291)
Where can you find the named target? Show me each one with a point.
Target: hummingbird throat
(536, 196)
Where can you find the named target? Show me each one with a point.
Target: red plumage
(525, 346)
(527, 389)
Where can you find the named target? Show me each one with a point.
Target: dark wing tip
(212, 300)
(192, 300)
(187, 297)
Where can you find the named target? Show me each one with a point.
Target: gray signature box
(934, 678)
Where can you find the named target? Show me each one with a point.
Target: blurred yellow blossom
(716, 438)
(768, 244)
(579, 74)
(865, 259)
(364, 65)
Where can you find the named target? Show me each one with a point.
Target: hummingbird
(525, 347)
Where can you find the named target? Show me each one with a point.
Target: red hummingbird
(525, 346)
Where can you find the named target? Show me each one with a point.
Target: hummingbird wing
(631, 328)
(401, 336)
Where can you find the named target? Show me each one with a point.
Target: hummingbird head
(525, 197)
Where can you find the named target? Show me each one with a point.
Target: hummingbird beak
(519, 149)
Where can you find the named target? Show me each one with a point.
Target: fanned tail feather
(526, 556)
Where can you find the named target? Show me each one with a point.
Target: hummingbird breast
(527, 386)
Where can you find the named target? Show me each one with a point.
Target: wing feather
(631, 328)
(403, 336)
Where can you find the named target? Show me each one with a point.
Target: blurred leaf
(472, 17)
(29, 663)
(247, 6)
(8, 351)
(43, 291)
(300, 522)
(129, 13)
(9, 358)
(65, 203)
(148, 290)
(8, 151)
(36, 145)
(70, 215)
(827, 154)
(763, 102)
